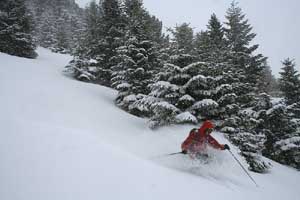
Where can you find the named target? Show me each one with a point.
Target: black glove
(184, 152)
(226, 147)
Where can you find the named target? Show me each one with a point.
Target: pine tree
(283, 120)
(15, 29)
(134, 69)
(86, 64)
(180, 49)
(269, 84)
(136, 18)
(93, 30)
(202, 46)
(113, 20)
(46, 31)
(216, 41)
(183, 38)
(111, 37)
(136, 61)
(238, 32)
(62, 42)
(58, 23)
(154, 29)
(103, 34)
(170, 105)
(140, 23)
(239, 35)
(210, 45)
(282, 142)
(215, 32)
(289, 82)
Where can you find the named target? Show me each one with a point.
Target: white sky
(276, 22)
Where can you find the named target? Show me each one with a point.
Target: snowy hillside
(63, 139)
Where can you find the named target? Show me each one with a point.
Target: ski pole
(171, 154)
(243, 168)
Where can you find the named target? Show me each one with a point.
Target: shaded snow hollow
(63, 139)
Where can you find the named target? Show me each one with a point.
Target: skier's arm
(214, 143)
(186, 144)
(188, 141)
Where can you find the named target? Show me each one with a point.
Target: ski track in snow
(65, 139)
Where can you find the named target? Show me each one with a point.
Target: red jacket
(197, 140)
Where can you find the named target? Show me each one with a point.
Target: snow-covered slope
(63, 139)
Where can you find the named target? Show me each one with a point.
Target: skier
(198, 140)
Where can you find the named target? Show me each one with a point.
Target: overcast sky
(276, 22)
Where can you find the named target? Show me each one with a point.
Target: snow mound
(186, 117)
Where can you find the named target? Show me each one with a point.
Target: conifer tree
(136, 61)
(15, 29)
(239, 36)
(202, 46)
(62, 37)
(289, 82)
(86, 64)
(112, 36)
(93, 30)
(140, 23)
(58, 23)
(183, 38)
(135, 14)
(283, 120)
(215, 31)
(46, 31)
(238, 31)
(269, 83)
(216, 41)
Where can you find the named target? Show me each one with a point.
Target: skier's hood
(207, 124)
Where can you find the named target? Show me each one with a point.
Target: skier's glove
(184, 152)
(226, 147)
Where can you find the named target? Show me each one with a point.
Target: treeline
(16, 29)
(58, 24)
(53, 24)
(183, 77)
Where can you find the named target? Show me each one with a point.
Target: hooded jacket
(197, 141)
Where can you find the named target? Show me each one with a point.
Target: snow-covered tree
(287, 151)
(183, 38)
(164, 114)
(269, 83)
(136, 62)
(211, 45)
(238, 30)
(134, 69)
(103, 34)
(289, 82)
(16, 29)
(141, 23)
(62, 43)
(58, 23)
(239, 35)
(201, 45)
(111, 37)
(82, 69)
(281, 142)
(93, 31)
(87, 55)
(283, 120)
